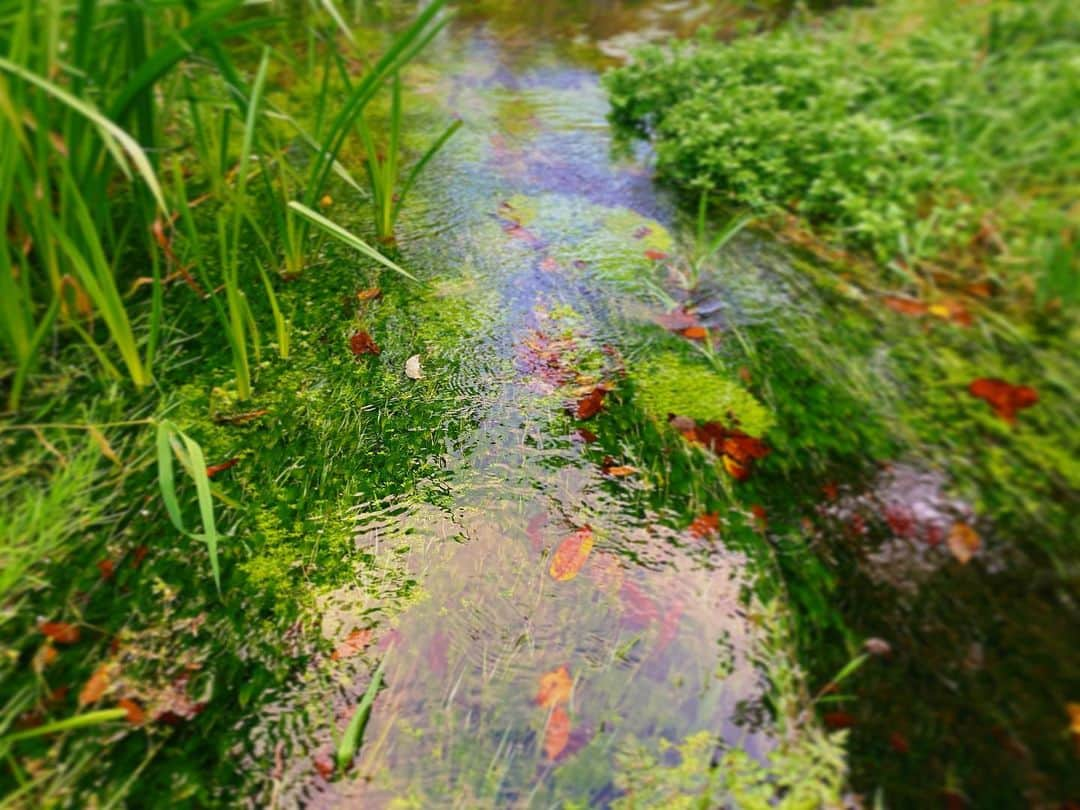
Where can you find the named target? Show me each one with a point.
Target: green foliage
(671, 384)
(899, 131)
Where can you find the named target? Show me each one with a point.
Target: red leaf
(361, 343)
(60, 632)
(654, 255)
(96, 685)
(214, 469)
(107, 569)
(695, 332)
(898, 742)
(838, 720)
(1006, 399)
(591, 404)
(138, 555)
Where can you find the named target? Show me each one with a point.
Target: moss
(669, 383)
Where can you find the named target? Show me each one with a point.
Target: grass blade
(346, 237)
(354, 732)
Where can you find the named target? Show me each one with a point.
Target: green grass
(939, 140)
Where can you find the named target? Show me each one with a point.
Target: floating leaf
(555, 688)
(963, 542)
(557, 734)
(654, 255)
(369, 294)
(353, 644)
(571, 554)
(361, 343)
(1006, 399)
(549, 264)
(60, 632)
(591, 404)
(412, 368)
(214, 469)
(96, 685)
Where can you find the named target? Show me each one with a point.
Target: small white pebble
(412, 368)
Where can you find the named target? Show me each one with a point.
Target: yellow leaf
(963, 542)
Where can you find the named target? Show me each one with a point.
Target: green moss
(670, 383)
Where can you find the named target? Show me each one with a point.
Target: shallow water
(535, 221)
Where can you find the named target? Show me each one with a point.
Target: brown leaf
(591, 404)
(361, 343)
(353, 644)
(586, 435)
(618, 470)
(1006, 399)
(557, 734)
(107, 569)
(45, 656)
(654, 255)
(214, 469)
(369, 294)
(571, 554)
(60, 632)
(963, 542)
(96, 685)
(555, 688)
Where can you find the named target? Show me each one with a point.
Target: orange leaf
(571, 554)
(739, 472)
(354, 643)
(1006, 399)
(963, 542)
(549, 264)
(557, 734)
(654, 255)
(214, 469)
(705, 525)
(695, 332)
(60, 632)
(1073, 710)
(368, 294)
(905, 306)
(555, 688)
(95, 687)
(135, 714)
(591, 404)
(619, 470)
(107, 569)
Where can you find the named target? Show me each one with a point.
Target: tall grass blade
(347, 238)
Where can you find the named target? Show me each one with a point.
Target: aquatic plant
(383, 165)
